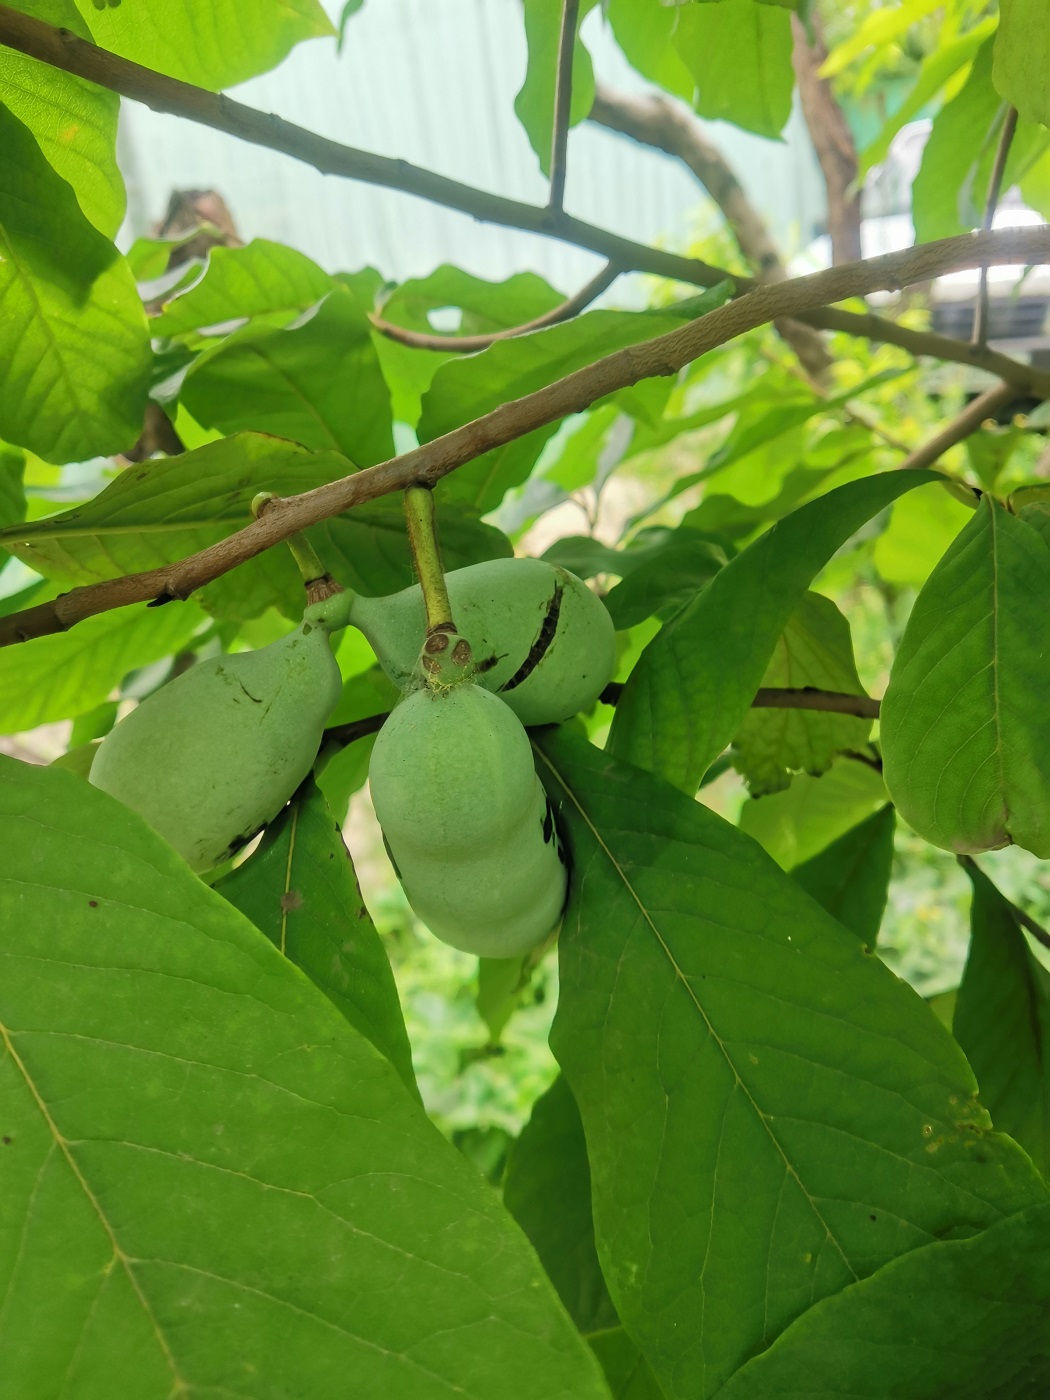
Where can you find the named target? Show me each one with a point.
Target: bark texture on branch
(832, 140)
(654, 120)
(426, 465)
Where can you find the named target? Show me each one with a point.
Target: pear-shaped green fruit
(541, 640)
(466, 821)
(215, 754)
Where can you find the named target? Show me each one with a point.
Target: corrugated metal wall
(433, 81)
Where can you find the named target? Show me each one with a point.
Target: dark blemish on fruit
(540, 647)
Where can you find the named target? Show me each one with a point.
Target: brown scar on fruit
(540, 647)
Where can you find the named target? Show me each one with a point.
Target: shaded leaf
(963, 723)
(700, 988)
(64, 675)
(627, 1372)
(1022, 58)
(547, 1189)
(74, 354)
(667, 579)
(851, 876)
(795, 825)
(244, 1192)
(695, 681)
(815, 649)
(1002, 1022)
(301, 890)
(965, 1318)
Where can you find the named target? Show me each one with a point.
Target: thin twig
(782, 698)
(562, 104)
(1025, 920)
(962, 426)
(64, 50)
(356, 729)
(425, 465)
(468, 344)
(995, 183)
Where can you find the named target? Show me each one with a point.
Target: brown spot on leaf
(291, 901)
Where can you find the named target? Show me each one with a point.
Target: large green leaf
(534, 104)
(645, 31)
(318, 383)
(815, 649)
(627, 1372)
(963, 723)
(301, 890)
(959, 1318)
(74, 354)
(64, 675)
(1022, 57)
(467, 387)
(739, 55)
(547, 1189)
(74, 121)
(211, 1183)
(213, 43)
(257, 280)
(770, 1113)
(1002, 1022)
(796, 825)
(691, 689)
(850, 877)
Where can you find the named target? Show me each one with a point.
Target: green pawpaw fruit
(467, 824)
(211, 757)
(542, 641)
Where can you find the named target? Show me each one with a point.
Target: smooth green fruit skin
(504, 609)
(467, 822)
(216, 753)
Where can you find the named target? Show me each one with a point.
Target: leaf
(739, 55)
(645, 29)
(963, 724)
(256, 280)
(921, 527)
(815, 649)
(626, 1370)
(547, 1189)
(796, 825)
(851, 876)
(318, 383)
(202, 42)
(12, 488)
(74, 354)
(1002, 1021)
(534, 104)
(73, 121)
(1022, 57)
(669, 578)
(300, 888)
(248, 1200)
(770, 1113)
(64, 675)
(469, 386)
(501, 982)
(965, 1318)
(696, 679)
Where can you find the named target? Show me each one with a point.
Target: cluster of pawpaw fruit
(213, 756)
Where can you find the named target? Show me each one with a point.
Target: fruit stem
(426, 555)
(318, 582)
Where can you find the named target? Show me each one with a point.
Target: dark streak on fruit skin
(540, 647)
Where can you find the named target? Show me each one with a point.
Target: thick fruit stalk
(468, 826)
(214, 755)
(540, 638)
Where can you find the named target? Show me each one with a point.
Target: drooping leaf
(317, 383)
(700, 988)
(74, 354)
(214, 1181)
(74, 121)
(213, 45)
(547, 1189)
(851, 876)
(1002, 1022)
(739, 55)
(1022, 57)
(965, 1318)
(257, 280)
(534, 104)
(796, 825)
(64, 675)
(963, 723)
(301, 890)
(645, 30)
(695, 681)
(815, 649)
